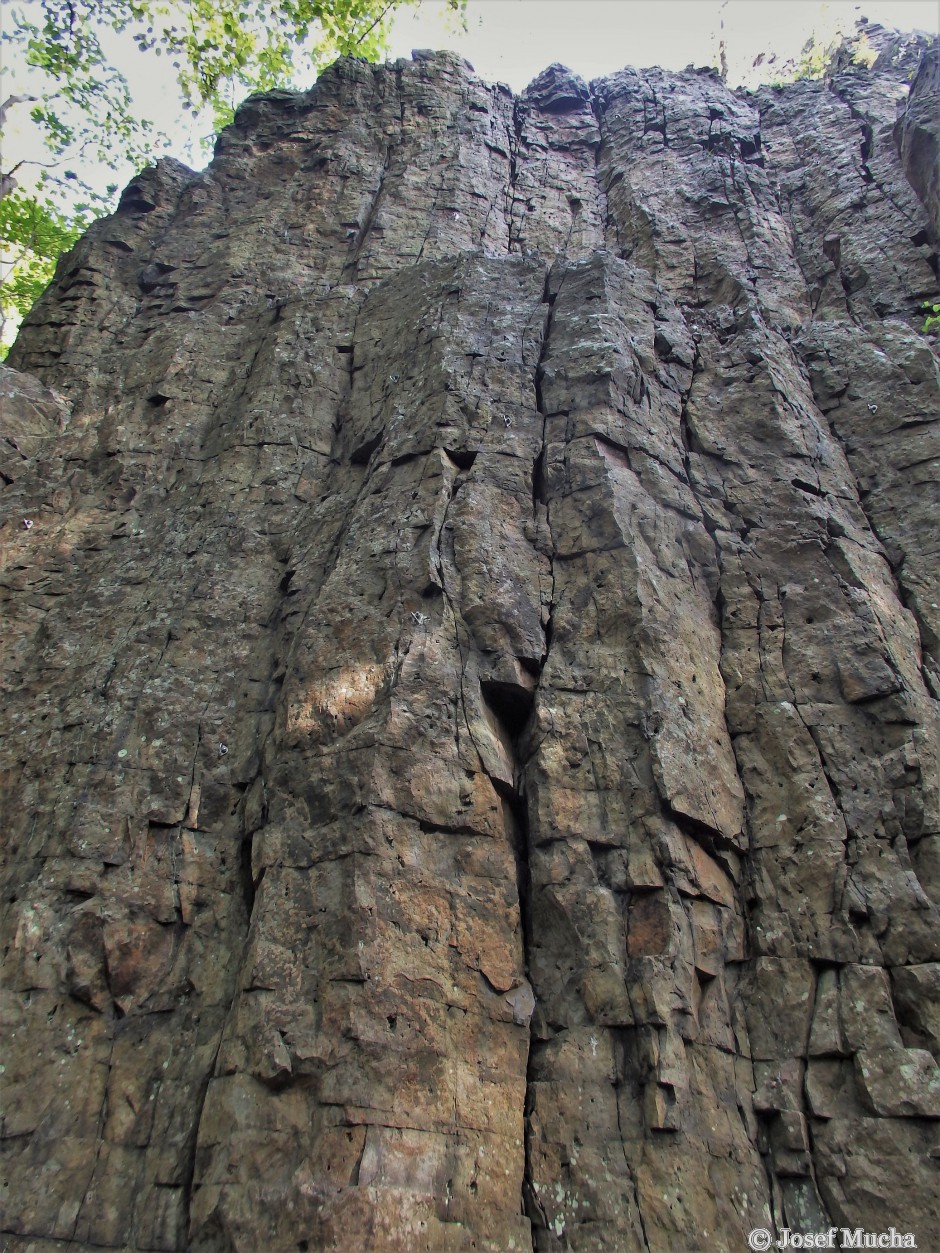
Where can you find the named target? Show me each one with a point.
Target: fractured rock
(471, 731)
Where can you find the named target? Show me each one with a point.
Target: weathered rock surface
(471, 649)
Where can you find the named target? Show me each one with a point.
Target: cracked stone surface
(471, 755)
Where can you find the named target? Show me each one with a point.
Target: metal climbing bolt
(28, 523)
(872, 408)
(419, 618)
(393, 378)
(508, 421)
(223, 749)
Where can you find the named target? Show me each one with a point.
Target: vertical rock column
(380, 1032)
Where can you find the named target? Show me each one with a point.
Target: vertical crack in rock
(371, 214)
(530, 1203)
(896, 542)
(540, 495)
(600, 188)
(470, 764)
(99, 1144)
(515, 156)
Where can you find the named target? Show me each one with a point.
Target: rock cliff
(471, 743)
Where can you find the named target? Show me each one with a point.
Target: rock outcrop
(471, 737)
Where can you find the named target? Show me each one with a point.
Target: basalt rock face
(471, 747)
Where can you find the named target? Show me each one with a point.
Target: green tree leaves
(32, 234)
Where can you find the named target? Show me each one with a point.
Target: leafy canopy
(33, 233)
(62, 65)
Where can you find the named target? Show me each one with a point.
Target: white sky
(512, 40)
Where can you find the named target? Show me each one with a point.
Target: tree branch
(381, 18)
(9, 102)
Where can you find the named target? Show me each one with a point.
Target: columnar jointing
(471, 747)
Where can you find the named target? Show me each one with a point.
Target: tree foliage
(821, 58)
(219, 51)
(33, 234)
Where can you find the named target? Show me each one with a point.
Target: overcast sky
(512, 40)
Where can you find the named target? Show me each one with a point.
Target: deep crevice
(463, 458)
(511, 703)
(360, 456)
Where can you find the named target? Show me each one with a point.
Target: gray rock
(470, 748)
